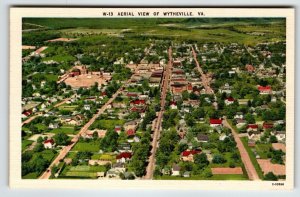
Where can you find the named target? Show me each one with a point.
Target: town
(127, 103)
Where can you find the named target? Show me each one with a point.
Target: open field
(247, 31)
(87, 146)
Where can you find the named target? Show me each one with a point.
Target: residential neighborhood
(129, 104)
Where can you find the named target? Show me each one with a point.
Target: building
(48, 144)
(215, 122)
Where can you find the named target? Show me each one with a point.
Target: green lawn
(68, 107)
(263, 150)
(65, 129)
(82, 171)
(106, 124)
(252, 157)
(32, 175)
(87, 146)
(104, 157)
(26, 143)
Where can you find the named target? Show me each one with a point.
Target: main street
(164, 88)
(204, 78)
(63, 153)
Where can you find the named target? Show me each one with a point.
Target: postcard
(160, 98)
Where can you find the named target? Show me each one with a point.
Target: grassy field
(32, 175)
(240, 30)
(252, 157)
(104, 157)
(26, 143)
(82, 171)
(106, 124)
(65, 129)
(263, 150)
(68, 107)
(87, 146)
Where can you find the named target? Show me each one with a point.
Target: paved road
(204, 78)
(252, 174)
(165, 85)
(75, 139)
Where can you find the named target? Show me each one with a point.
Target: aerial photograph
(154, 98)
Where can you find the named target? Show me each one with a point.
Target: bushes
(218, 159)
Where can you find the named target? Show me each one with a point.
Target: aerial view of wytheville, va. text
(154, 98)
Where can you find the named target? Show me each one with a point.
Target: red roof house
(252, 127)
(188, 155)
(130, 132)
(123, 157)
(265, 89)
(268, 125)
(215, 122)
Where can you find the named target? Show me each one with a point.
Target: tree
(201, 160)
(250, 118)
(218, 159)
(273, 139)
(61, 139)
(270, 176)
(39, 147)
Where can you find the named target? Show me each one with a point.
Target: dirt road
(252, 174)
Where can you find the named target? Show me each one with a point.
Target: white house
(49, 144)
(87, 107)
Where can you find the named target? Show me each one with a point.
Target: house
(181, 132)
(48, 144)
(226, 89)
(202, 138)
(249, 68)
(215, 122)
(175, 170)
(252, 127)
(240, 123)
(173, 105)
(53, 126)
(254, 135)
(239, 115)
(118, 129)
(130, 132)
(265, 89)
(229, 101)
(186, 174)
(124, 147)
(119, 105)
(87, 107)
(268, 125)
(120, 167)
(280, 135)
(222, 137)
(131, 125)
(137, 103)
(123, 157)
(188, 155)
